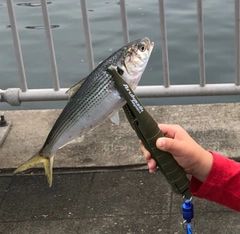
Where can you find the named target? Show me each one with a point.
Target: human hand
(189, 155)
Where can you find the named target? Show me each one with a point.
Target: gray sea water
(106, 29)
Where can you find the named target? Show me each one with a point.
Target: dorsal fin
(71, 92)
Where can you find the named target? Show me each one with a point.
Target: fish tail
(36, 159)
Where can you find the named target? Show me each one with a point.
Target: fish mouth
(150, 45)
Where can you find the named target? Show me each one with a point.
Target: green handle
(148, 132)
(173, 172)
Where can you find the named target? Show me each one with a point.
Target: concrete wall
(214, 126)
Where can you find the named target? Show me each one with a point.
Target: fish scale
(77, 108)
(92, 100)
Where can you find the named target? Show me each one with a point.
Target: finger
(151, 162)
(153, 170)
(146, 153)
(152, 165)
(172, 146)
(169, 130)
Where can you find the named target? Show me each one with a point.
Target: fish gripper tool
(148, 132)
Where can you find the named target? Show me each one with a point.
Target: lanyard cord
(189, 229)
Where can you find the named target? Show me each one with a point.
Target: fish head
(135, 58)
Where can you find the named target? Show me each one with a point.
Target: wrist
(203, 166)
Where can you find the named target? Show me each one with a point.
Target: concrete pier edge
(214, 126)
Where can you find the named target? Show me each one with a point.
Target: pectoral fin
(114, 117)
(75, 88)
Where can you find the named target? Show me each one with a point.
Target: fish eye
(142, 47)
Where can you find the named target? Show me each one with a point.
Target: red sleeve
(222, 184)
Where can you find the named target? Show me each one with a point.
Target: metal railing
(14, 96)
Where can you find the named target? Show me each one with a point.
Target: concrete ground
(103, 202)
(101, 185)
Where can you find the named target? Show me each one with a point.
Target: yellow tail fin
(36, 159)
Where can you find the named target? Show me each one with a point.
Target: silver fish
(92, 100)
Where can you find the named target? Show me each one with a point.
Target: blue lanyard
(189, 229)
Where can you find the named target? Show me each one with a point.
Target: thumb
(170, 145)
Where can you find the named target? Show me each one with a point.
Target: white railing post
(164, 46)
(201, 47)
(48, 31)
(87, 33)
(237, 43)
(17, 46)
(124, 21)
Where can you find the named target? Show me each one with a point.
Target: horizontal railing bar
(48, 31)
(141, 91)
(43, 95)
(124, 21)
(188, 90)
(16, 96)
(16, 42)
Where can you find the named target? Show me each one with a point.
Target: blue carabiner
(188, 215)
(187, 211)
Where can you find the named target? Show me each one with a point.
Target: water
(104, 16)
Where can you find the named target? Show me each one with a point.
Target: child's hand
(190, 156)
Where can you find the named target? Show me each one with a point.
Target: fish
(92, 100)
